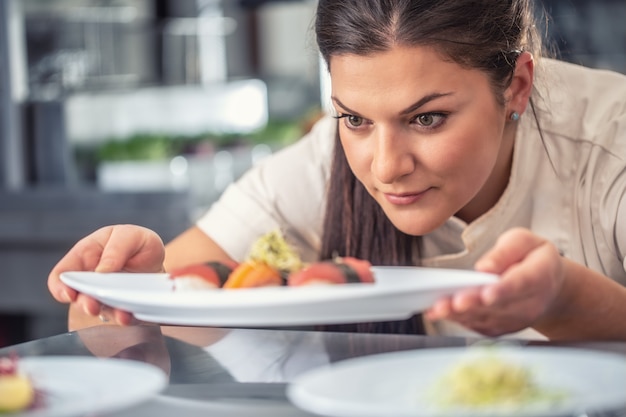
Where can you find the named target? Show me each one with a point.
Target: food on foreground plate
(272, 262)
(340, 270)
(491, 381)
(201, 276)
(16, 389)
(273, 250)
(250, 274)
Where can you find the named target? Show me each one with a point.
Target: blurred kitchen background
(143, 111)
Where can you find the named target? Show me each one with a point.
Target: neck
(497, 182)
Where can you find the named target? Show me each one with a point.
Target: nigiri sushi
(251, 274)
(340, 270)
(206, 275)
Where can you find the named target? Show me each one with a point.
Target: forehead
(400, 74)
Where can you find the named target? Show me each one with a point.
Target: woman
(450, 152)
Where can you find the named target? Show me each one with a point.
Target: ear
(518, 93)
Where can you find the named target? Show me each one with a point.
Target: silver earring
(514, 116)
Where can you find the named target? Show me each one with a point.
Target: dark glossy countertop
(238, 372)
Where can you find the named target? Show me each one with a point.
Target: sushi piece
(340, 270)
(252, 273)
(207, 275)
(268, 263)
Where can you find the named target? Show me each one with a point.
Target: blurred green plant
(148, 146)
(142, 147)
(278, 133)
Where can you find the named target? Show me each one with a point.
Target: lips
(405, 198)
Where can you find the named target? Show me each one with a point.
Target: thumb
(510, 248)
(131, 248)
(109, 264)
(120, 244)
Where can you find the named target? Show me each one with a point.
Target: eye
(351, 120)
(426, 119)
(354, 121)
(430, 120)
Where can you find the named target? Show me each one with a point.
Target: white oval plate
(75, 385)
(399, 292)
(400, 384)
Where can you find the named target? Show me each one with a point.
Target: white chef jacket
(568, 187)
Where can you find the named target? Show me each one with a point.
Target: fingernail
(480, 263)
(86, 310)
(484, 265)
(65, 297)
(488, 296)
(104, 266)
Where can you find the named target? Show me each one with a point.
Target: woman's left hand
(531, 276)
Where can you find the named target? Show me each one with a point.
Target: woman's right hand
(118, 248)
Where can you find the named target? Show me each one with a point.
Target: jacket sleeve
(286, 190)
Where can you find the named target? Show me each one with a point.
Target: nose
(392, 158)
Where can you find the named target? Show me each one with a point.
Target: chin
(419, 228)
(415, 220)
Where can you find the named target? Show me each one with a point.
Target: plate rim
(297, 394)
(31, 365)
(185, 307)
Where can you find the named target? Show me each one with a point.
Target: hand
(117, 248)
(531, 277)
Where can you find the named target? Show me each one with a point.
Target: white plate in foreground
(399, 292)
(401, 384)
(76, 386)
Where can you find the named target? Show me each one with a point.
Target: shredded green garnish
(490, 381)
(273, 249)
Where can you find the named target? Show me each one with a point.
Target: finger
(476, 318)
(132, 249)
(510, 248)
(494, 327)
(116, 250)
(109, 315)
(57, 288)
(60, 291)
(106, 314)
(466, 300)
(487, 322)
(83, 256)
(88, 305)
(515, 284)
(123, 318)
(525, 279)
(441, 309)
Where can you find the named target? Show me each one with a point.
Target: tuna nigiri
(201, 276)
(340, 270)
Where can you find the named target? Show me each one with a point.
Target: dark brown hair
(487, 35)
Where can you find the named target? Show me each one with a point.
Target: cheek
(469, 157)
(359, 157)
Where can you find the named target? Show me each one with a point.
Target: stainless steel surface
(12, 94)
(233, 390)
(38, 226)
(202, 385)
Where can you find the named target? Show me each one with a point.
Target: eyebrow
(413, 107)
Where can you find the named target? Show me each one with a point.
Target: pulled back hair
(485, 35)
